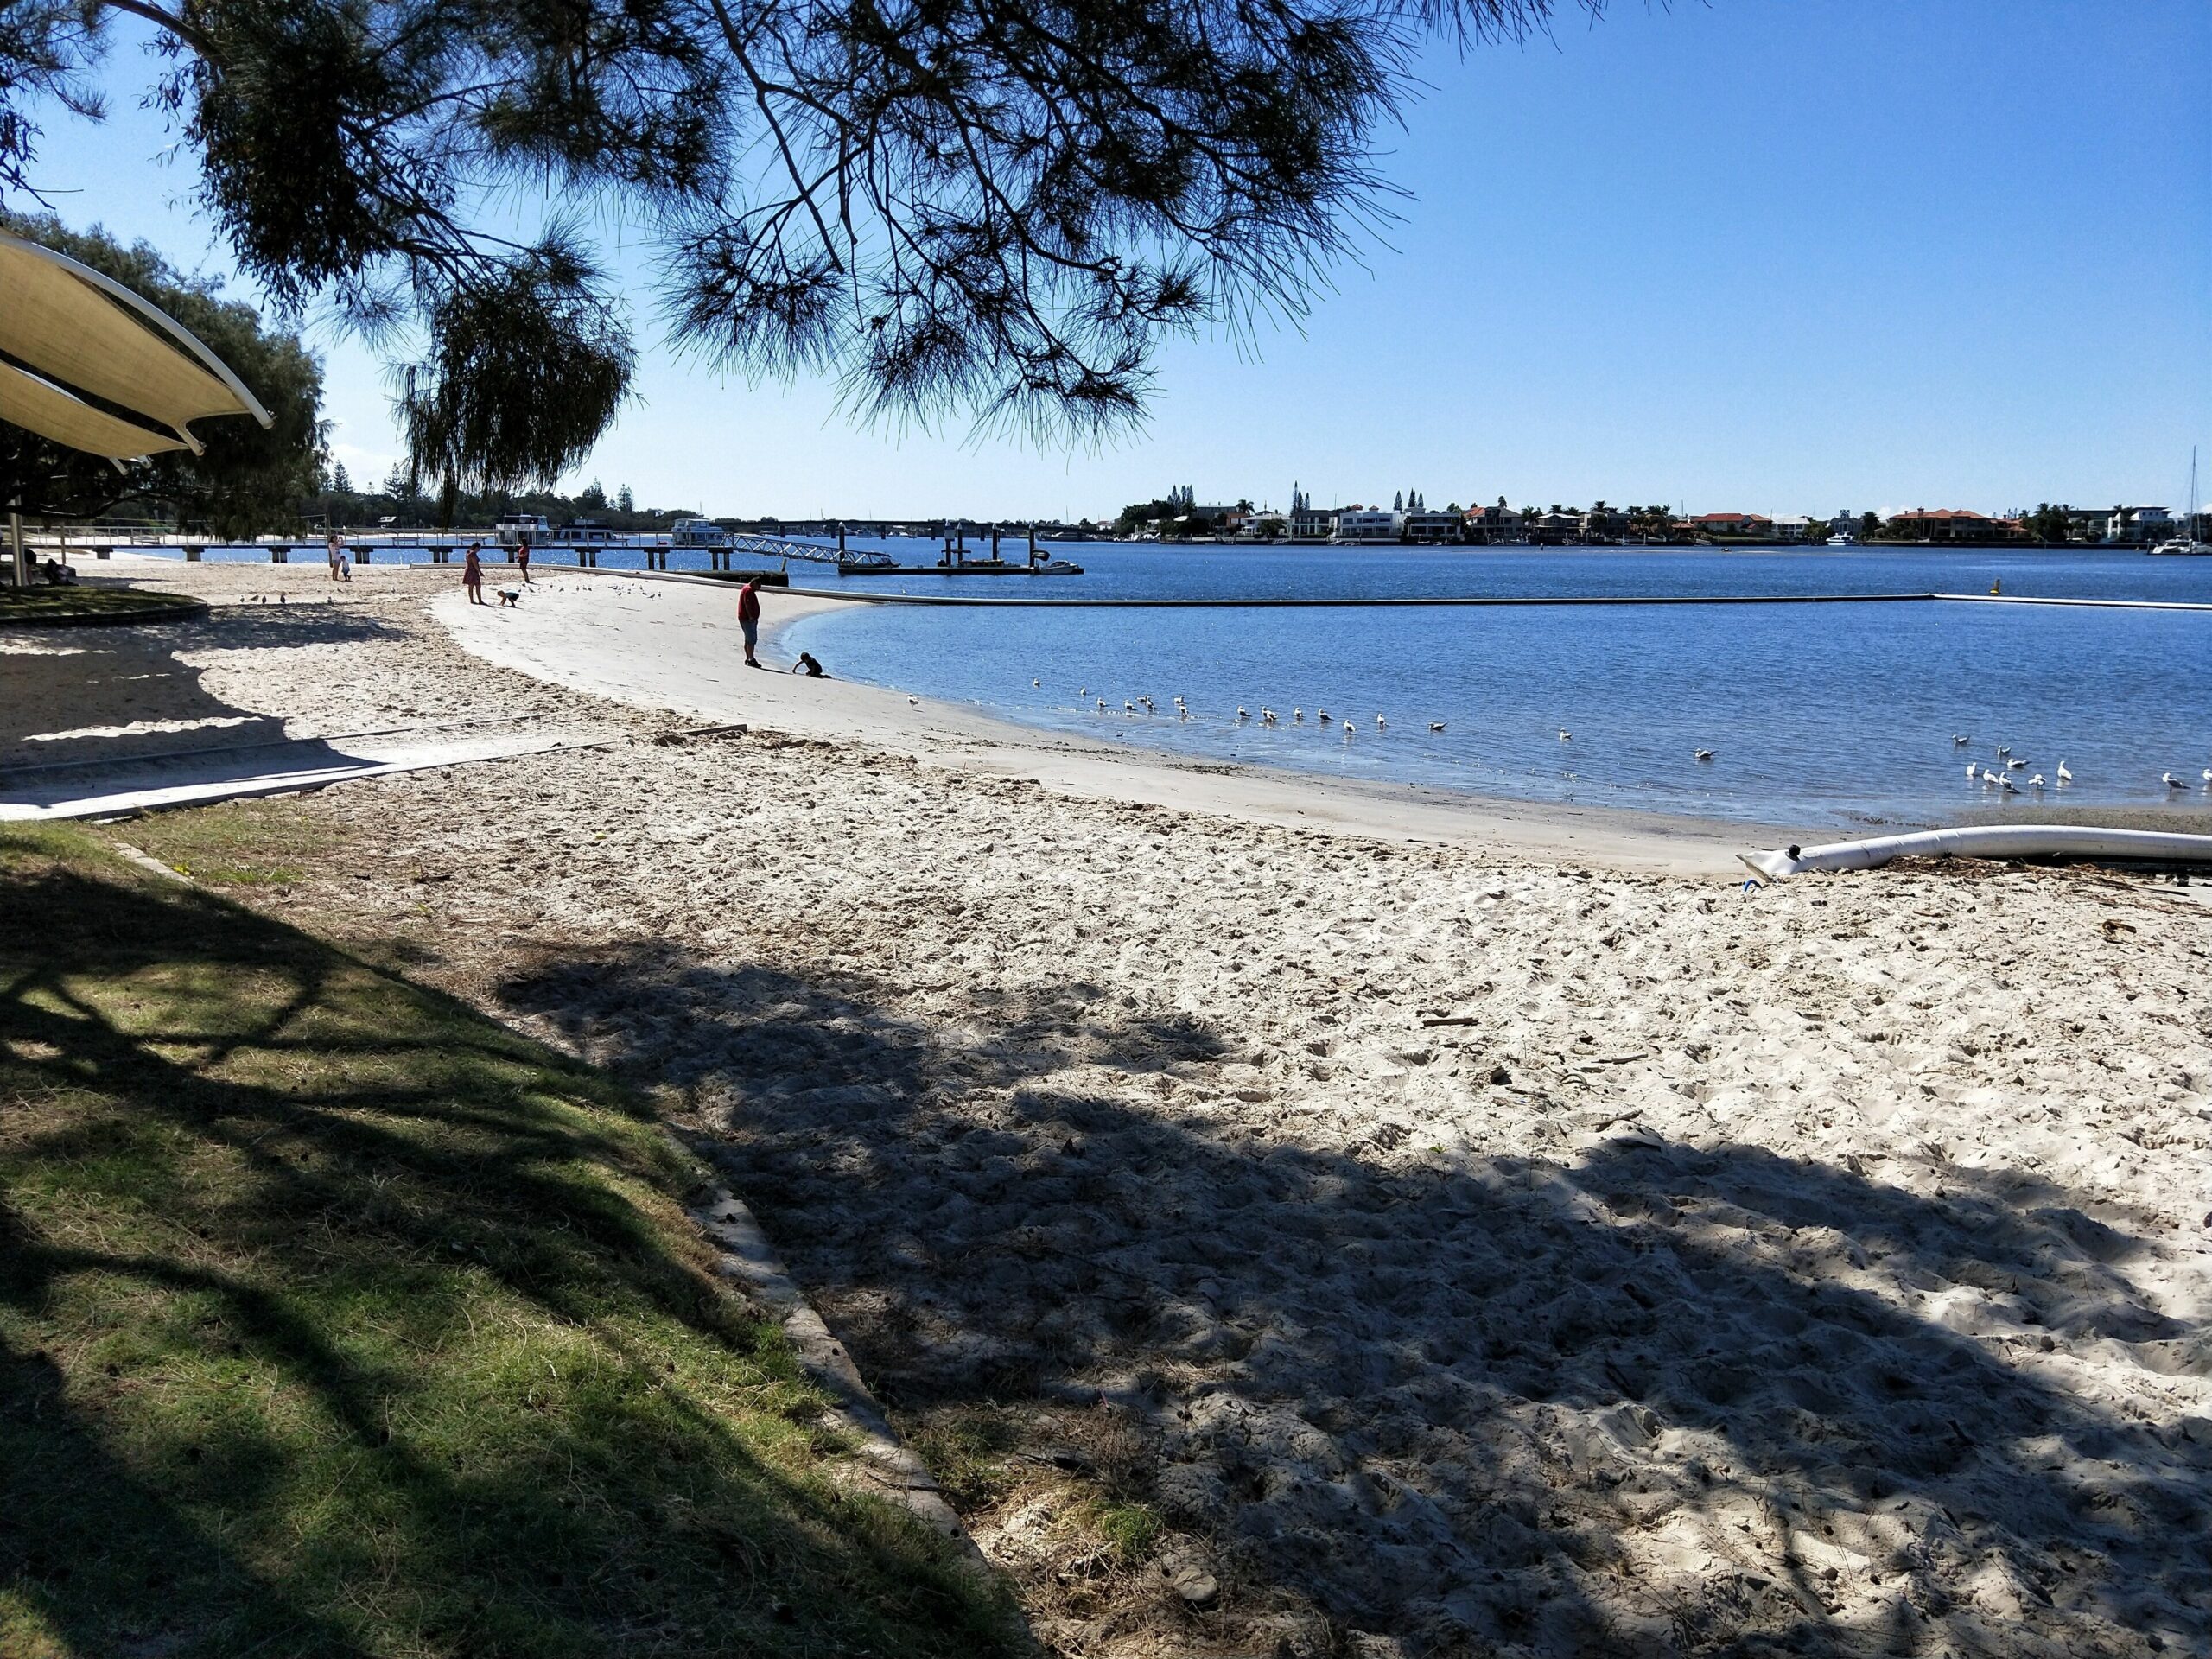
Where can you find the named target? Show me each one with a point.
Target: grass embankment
(40, 603)
(337, 1320)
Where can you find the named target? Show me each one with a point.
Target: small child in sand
(808, 666)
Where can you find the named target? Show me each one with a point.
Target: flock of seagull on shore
(1348, 723)
(1977, 772)
(1988, 777)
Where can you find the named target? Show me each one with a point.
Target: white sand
(1822, 1270)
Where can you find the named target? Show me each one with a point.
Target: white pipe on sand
(2008, 841)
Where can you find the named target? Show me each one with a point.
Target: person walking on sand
(471, 575)
(748, 618)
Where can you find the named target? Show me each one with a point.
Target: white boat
(1846, 539)
(2186, 545)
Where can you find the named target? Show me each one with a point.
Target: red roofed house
(1733, 524)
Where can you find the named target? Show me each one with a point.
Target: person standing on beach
(522, 557)
(748, 618)
(331, 553)
(471, 575)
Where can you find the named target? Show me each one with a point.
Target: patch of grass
(1131, 1529)
(40, 603)
(969, 1451)
(337, 1320)
(250, 844)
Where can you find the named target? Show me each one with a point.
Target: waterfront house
(1371, 524)
(1797, 527)
(1755, 526)
(1433, 527)
(1946, 524)
(1311, 523)
(1493, 524)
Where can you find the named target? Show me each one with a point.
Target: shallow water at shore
(1834, 713)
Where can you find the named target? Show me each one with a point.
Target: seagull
(1084, 692)
(916, 702)
(1298, 714)
(1565, 736)
(1102, 705)
(1242, 712)
(1705, 754)
(1321, 715)
(1973, 772)
(1379, 723)
(2064, 776)
(1959, 740)
(1036, 682)
(2207, 777)
(1435, 725)
(2036, 782)
(2170, 780)
(2004, 748)
(1987, 775)
(1186, 713)
(1129, 707)
(1267, 717)
(2008, 786)
(2016, 764)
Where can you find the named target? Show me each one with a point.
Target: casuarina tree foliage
(996, 207)
(248, 479)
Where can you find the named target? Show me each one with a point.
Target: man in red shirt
(748, 618)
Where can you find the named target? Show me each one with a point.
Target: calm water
(1827, 714)
(1831, 713)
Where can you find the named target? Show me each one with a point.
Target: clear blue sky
(1783, 256)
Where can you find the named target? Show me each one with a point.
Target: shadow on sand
(1658, 1398)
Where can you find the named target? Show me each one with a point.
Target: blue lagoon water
(1816, 713)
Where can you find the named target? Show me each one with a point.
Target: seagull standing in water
(1973, 772)
(1959, 741)
(2036, 782)
(1435, 725)
(2170, 780)
(2064, 776)
(1705, 754)
(1565, 737)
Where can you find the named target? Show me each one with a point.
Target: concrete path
(151, 783)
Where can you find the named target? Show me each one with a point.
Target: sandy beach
(1302, 1220)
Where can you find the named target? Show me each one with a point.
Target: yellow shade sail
(31, 404)
(85, 333)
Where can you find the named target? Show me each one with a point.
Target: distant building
(1311, 523)
(1493, 524)
(1947, 525)
(1426, 526)
(1733, 524)
(1371, 524)
(1796, 527)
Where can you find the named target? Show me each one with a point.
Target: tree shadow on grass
(1655, 1398)
(335, 1318)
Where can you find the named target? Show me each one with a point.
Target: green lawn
(40, 603)
(336, 1319)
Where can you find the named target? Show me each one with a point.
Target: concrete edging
(178, 608)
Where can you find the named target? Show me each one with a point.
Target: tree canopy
(995, 207)
(248, 480)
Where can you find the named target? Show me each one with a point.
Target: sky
(1776, 256)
